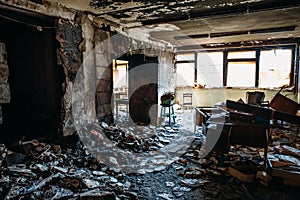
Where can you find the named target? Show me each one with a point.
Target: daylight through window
(265, 67)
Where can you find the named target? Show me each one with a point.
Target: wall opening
(120, 90)
(143, 89)
(34, 77)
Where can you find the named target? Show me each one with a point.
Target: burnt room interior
(157, 99)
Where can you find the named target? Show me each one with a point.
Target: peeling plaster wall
(69, 35)
(77, 55)
(109, 46)
(166, 77)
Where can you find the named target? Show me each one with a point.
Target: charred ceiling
(152, 12)
(200, 22)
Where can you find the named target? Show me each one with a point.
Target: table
(202, 114)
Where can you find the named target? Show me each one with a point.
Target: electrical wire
(39, 28)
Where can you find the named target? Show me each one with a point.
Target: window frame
(258, 49)
(257, 60)
(227, 60)
(196, 66)
(189, 62)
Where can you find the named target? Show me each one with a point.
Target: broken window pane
(185, 74)
(241, 74)
(241, 54)
(210, 69)
(275, 68)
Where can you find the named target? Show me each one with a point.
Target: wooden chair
(187, 100)
(256, 98)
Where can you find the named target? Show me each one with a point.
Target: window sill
(289, 89)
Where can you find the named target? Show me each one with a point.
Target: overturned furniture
(281, 109)
(284, 110)
(224, 128)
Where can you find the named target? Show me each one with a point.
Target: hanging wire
(39, 28)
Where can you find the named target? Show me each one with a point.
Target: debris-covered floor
(44, 170)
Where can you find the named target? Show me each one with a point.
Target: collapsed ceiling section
(198, 21)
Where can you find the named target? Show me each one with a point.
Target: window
(262, 67)
(241, 68)
(185, 57)
(210, 69)
(185, 74)
(120, 70)
(185, 69)
(241, 74)
(275, 67)
(241, 54)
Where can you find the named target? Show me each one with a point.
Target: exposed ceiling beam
(221, 46)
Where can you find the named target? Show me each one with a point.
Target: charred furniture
(224, 128)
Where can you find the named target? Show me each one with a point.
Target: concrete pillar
(89, 69)
(104, 77)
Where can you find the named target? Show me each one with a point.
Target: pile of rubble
(48, 171)
(246, 163)
(136, 149)
(43, 170)
(39, 169)
(141, 139)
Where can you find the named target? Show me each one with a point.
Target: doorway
(143, 89)
(34, 77)
(120, 90)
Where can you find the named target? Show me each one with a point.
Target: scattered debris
(242, 174)
(52, 171)
(291, 176)
(170, 184)
(264, 177)
(193, 183)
